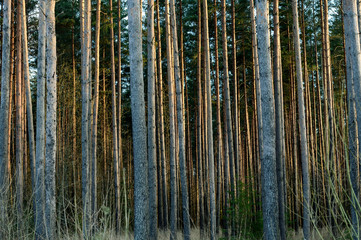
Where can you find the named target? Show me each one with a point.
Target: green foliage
(244, 211)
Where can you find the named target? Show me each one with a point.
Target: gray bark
(40, 126)
(302, 125)
(4, 112)
(152, 158)
(50, 128)
(85, 65)
(353, 63)
(268, 137)
(141, 207)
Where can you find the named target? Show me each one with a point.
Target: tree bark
(4, 113)
(152, 158)
(51, 119)
(141, 207)
(353, 63)
(302, 126)
(181, 127)
(268, 150)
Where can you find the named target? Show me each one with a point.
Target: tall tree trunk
(95, 118)
(353, 63)
(199, 120)
(115, 127)
(280, 146)
(227, 100)
(50, 128)
(162, 140)
(29, 106)
(181, 127)
(4, 113)
(172, 129)
(268, 150)
(302, 125)
(141, 207)
(219, 125)
(236, 158)
(207, 57)
(19, 125)
(120, 152)
(152, 158)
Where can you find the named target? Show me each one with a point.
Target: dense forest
(208, 119)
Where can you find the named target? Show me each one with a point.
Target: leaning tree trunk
(141, 207)
(302, 125)
(50, 128)
(268, 137)
(4, 113)
(152, 159)
(353, 63)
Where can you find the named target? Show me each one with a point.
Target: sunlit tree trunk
(115, 126)
(152, 159)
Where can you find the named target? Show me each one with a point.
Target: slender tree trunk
(115, 127)
(51, 119)
(219, 125)
(228, 102)
(280, 148)
(209, 124)
(120, 152)
(236, 158)
(302, 125)
(141, 207)
(268, 150)
(152, 158)
(162, 140)
(181, 127)
(173, 156)
(19, 125)
(4, 113)
(29, 108)
(95, 118)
